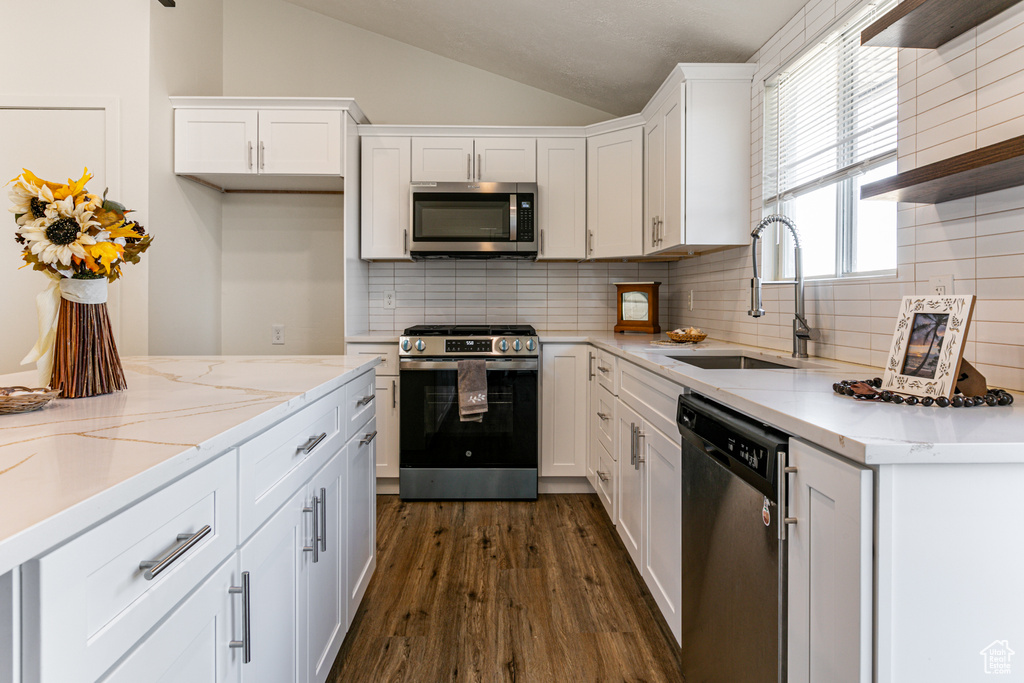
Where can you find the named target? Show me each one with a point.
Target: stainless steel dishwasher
(734, 569)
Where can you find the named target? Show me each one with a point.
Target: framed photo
(928, 345)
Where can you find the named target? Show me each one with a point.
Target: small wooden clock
(638, 307)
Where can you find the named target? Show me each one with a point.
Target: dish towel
(472, 390)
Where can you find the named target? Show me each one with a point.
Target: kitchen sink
(731, 363)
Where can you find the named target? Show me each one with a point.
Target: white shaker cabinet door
(615, 193)
(360, 514)
(386, 194)
(506, 160)
(663, 519)
(562, 198)
(442, 160)
(565, 409)
(300, 142)
(387, 425)
(326, 607)
(215, 141)
(830, 568)
(274, 558)
(193, 645)
(629, 518)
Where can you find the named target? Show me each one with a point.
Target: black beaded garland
(993, 397)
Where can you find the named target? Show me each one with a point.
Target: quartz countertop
(76, 461)
(801, 402)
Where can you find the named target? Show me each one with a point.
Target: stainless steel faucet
(801, 330)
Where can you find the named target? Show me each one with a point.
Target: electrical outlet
(940, 285)
(389, 300)
(277, 334)
(689, 300)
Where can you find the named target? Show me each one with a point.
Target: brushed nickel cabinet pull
(250, 153)
(479, 167)
(364, 400)
(603, 476)
(639, 450)
(469, 166)
(405, 241)
(590, 366)
(246, 642)
(590, 242)
(153, 568)
(368, 438)
(790, 520)
(323, 520)
(541, 250)
(603, 416)
(394, 394)
(315, 546)
(262, 155)
(312, 443)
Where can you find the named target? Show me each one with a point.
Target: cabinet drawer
(605, 370)
(604, 417)
(606, 471)
(654, 397)
(94, 599)
(273, 465)
(360, 405)
(388, 356)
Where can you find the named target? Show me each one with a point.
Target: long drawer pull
(368, 438)
(246, 642)
(603, 476)
(603, 369)
(323, 519)
(315, 546)
(312, 443)
(155, 567)
(604, 416)
(364, 400)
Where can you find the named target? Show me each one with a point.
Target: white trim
(697, 72)
(215, 102)
(387, 130)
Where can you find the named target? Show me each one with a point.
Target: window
(830, 128)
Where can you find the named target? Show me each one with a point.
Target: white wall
(63, 61)
(274, 48)
(186, 54)
(965, 95)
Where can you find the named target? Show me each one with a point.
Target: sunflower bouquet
(81, 240)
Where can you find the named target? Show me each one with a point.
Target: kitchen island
(225, 454)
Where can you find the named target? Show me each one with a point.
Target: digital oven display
(467, 345)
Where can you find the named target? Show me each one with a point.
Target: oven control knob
(420, 345)
(406, 344)
(503, 345)
(530, 345)
(517, 345)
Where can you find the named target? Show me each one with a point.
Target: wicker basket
(690, 338)
(24, 399)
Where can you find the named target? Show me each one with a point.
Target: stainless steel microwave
(473, 220)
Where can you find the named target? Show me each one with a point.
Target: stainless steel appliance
(473, 220)
(439, 455)
(734, 569)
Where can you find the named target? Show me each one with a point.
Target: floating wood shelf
(996, 167)
(930, 23)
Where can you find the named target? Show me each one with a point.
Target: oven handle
(519, 364)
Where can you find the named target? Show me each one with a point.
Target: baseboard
(389, 485)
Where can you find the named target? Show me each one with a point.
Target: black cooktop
(470, 331)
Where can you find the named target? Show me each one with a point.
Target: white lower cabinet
(193, 645)
(326, 608)
(275, 562)
(830, 568)
(360, 515)
(386, 443)
(649, 511)
(564, 409)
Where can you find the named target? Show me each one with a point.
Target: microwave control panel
(524, 219)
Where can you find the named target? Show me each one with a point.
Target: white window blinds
(832, 114)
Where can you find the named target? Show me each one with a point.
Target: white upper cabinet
(263, 143)
(562, 198)
(387, 199)
(615, 175)
(697, 147)
(499, 160)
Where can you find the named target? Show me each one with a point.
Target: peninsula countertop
(801, 402)
(71, 464)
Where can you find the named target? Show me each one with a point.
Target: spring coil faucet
(801, 330)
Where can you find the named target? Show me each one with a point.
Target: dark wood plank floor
(504, 591)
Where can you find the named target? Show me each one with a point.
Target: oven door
(432, 436)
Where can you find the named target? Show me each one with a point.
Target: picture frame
(928, 345)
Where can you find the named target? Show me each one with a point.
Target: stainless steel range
(443, 457)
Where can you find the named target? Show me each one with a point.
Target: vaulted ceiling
(608, 54)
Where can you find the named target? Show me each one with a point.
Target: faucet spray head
(756, 309)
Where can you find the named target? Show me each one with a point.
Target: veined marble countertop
(71, 464)
(801, 402)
